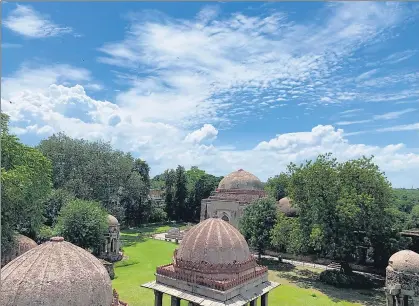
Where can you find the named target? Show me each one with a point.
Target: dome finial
(240, 170)
(57, 239)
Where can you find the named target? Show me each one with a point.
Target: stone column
(175, 301)
(264, 299)
(405, 300)
(158, 298)
(191, 304)
(253, 303)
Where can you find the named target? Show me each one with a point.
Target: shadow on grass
(131, 240)
(307, 279)
(276, 265)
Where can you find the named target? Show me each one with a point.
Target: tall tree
(25, 183)
(257, 223)
(181, 192)
(169, 188)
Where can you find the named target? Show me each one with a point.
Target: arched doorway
(225, 218)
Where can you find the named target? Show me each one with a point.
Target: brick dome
(405, 261)
(285, 206)
(55, 273)
(241, 180)
(213, 244)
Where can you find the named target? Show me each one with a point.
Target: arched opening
(225, 218)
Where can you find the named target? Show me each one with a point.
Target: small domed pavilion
(56, 273)
(234, 193)
(285, 206)
(212, 266)
(402, 279)
(110, 250)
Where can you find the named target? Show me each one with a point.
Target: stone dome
(285, 206)
(405, 261)
(213, 242)
(23, 244)
(241, 180)
(112, 221)
(55, 273)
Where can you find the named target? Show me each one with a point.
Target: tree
(53, 204)
(181, 193)
(257, 222)
(169, 182)
(84, 224)
(286, 235)
(276, 186)
(25, 183)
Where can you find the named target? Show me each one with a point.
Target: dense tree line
(184, 191)
(347, 212)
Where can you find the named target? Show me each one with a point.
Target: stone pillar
(175, 301)
(158, 298)
(264, 299)
(389, 299)
(252, 303)
(191, 304)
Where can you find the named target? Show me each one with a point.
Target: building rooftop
(241, 180)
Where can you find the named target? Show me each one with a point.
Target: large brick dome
(241, 180)
(55, 273)
(213, 243)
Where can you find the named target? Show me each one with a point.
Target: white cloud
(207, 132)
(25, 21)
(393, 115)
(400, 56)
(399, 128)
(353, 122)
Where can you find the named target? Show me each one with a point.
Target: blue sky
(219, 85)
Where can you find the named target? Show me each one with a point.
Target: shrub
(44, 234)
(342, 280)
(83, 223)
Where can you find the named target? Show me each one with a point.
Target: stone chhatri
(112, 221)
(23, 244)
(405, 261)
(285, 206)
(55, 273)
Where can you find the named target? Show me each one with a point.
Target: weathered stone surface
(55, 273)
(242, 180)
(22, 245)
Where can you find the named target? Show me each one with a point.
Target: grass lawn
(299, 286)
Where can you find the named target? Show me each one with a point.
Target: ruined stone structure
(402, 279)
(212, 266)
(56, 273)
(22, 245)
(174, 233)
(110, 251)
(234, 193)
(109, 267)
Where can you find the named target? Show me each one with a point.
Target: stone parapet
(207, 268)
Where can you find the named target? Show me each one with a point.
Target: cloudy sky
(219, 85)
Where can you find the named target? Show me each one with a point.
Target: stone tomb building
(402, 279)
(212, 266)
(57, 273)
(234, 193)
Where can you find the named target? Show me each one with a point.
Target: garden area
(299, 285)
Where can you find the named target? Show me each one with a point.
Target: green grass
(299, 286)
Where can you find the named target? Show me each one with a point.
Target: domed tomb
(214, 254)
(213, 246)
(110, 250)
(402, 278)
(22, 245)
(285, 206)
(212, 264)
(55, 273)
(241, 180)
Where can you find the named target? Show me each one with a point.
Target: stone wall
(407, 281)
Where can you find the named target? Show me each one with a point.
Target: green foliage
(286, 235)
(341, 280)
(343, 206)
(45, 233)
(53, 204)
(277, 186)
(406, 199)
(257, 222)
(25, 183)
(83, 223)
(181, 193)
(94, 171)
